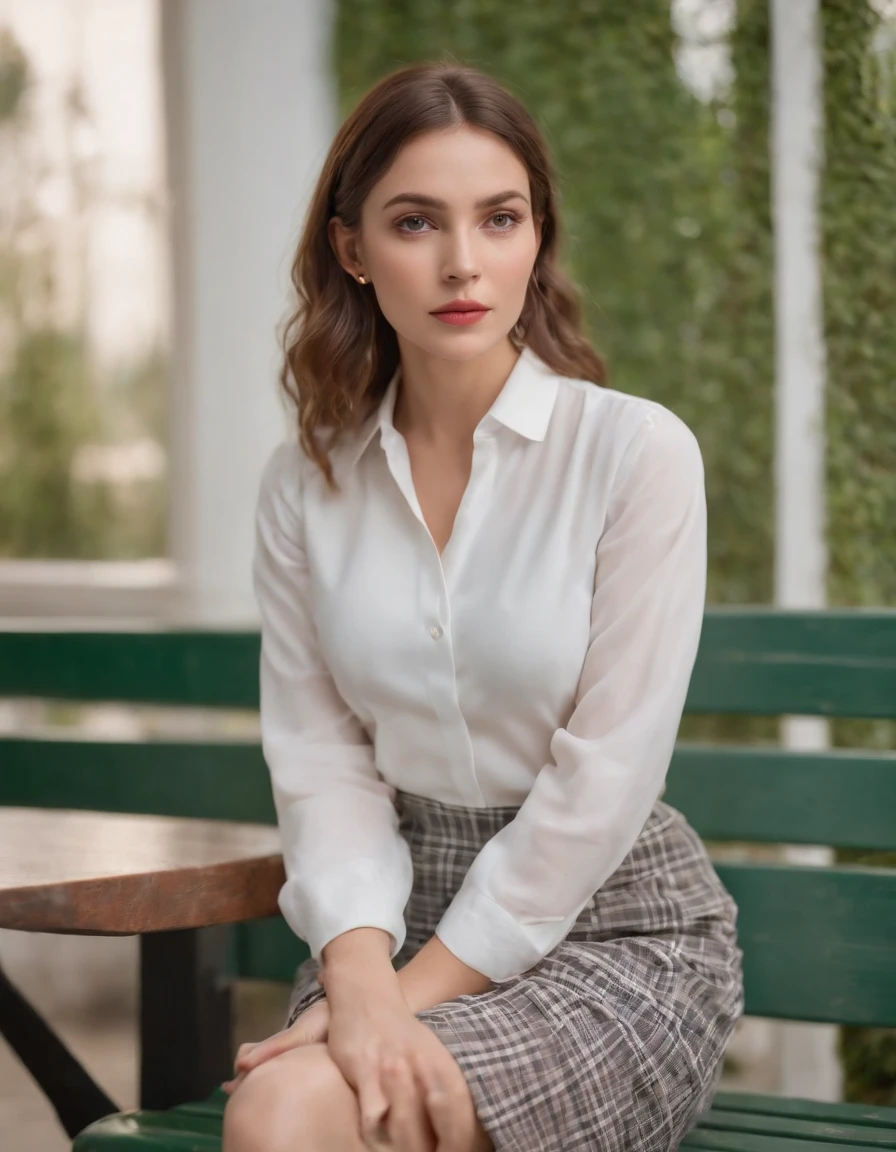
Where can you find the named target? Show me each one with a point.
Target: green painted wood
(710, 1140)
(816, 1131)
(845, 799)
(197, 1126)
(766, 662)
(209, 669)
(212, 781)
(798, 1109)
(819, 943)
(751, 660)
(189, 1128)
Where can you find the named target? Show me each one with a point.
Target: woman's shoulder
(284, 468)
(283, 478)
(628, 423)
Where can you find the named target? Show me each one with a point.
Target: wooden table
(174, 882)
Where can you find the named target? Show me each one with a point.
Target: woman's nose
(461, 261)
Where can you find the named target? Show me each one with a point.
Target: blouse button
(436, 632)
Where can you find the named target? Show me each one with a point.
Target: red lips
(461, 306)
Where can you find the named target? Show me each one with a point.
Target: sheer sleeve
(347, 866)
(586, 808)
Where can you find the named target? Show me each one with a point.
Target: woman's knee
(280, 1100)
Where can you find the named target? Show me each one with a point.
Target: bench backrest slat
(211, 781)
(773, 663)
(184, 668)
(841, 798)
(819, 943)
(755, 661)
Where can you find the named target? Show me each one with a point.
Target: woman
(481, 578)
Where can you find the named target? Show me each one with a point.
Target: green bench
(819, 942)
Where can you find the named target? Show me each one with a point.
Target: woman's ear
(344, 243)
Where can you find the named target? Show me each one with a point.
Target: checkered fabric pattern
(614, 1041)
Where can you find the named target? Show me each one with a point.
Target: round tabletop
(109, 874)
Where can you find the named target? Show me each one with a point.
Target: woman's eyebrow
(432, 202)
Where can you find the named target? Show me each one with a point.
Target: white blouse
(541, 661)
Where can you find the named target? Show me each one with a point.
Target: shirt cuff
(359, 894)
(487, 938)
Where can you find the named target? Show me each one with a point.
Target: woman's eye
(405, 225)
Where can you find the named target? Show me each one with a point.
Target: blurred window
(84, 300)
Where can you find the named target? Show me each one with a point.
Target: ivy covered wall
(858, 214)
(859, 244)
(665, 200)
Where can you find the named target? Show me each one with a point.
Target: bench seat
(737, 1122)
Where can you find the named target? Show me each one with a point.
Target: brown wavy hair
(339, 351)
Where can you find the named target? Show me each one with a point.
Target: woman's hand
(411, 1091)
(311, 1027)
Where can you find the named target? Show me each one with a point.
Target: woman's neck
(442, 401)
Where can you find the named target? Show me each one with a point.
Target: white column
(250, 114)
(808, 1063)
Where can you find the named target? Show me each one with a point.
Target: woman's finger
(258, 1053)
(311, 1027)
(453, 1125)
(230, 1086)
(408, 1125)
(373, 1106)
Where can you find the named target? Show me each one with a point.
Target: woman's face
(451, 219)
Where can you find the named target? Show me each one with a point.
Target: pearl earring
(362, 279)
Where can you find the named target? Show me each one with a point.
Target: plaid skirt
(612, 1042)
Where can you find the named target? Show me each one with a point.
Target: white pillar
(250, 114)
(808, 1063)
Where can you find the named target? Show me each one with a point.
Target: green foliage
(46, 411)
(136, 407)
(869, 1065)
(859, 242)
(859, 237)
(49, 410)
(14, 75)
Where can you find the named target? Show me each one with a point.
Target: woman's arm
(347, 865)
(357, 963)
(435, 975)
(587, 806)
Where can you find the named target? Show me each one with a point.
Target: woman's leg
(297, 1100)
(301, 1100)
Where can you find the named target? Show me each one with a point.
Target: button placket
(472, 505)
(455, 747)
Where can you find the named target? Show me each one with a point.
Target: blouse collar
(524, 405)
